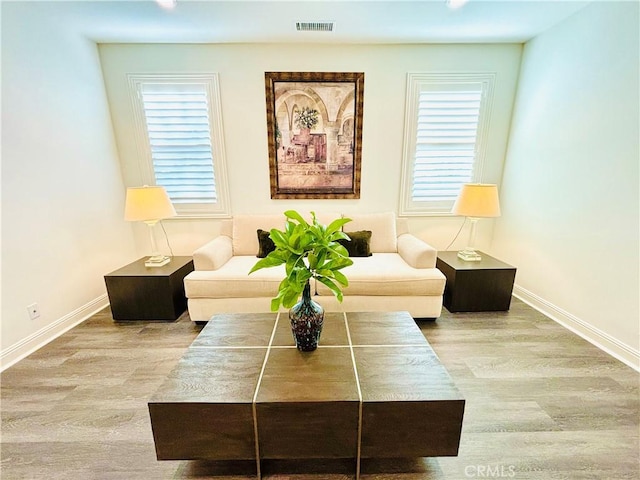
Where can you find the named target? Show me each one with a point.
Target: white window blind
(177, 120)
(443, 147)
(445, 143)
(180, 139)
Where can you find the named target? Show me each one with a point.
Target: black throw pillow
(359, 245)
(265, 244)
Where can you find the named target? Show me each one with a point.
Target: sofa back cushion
(226, 227)
(382, 227)
(245, 231)
(402, 226)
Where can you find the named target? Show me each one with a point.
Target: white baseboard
(33, 342)
(591, 334)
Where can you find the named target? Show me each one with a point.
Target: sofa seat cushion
(232, 280)
(388, 274)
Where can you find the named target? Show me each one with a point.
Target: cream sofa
(400, 275)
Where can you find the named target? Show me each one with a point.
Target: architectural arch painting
(314, 124)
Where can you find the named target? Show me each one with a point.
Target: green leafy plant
(278, 136)
(308, 250)
(306, 118)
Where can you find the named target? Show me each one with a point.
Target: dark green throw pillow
(265, 244)
(359, 245)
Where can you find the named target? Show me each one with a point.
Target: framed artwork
(314, 124)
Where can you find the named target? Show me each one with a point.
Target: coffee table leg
(255, 432)
(358, 450)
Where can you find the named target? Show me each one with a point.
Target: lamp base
(157, 261)
(469, 255)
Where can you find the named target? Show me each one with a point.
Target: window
(447, 118)
(180, 140)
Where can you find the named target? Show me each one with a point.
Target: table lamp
(149, 205)
(476, 200)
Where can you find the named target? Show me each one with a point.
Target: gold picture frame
(314, 128)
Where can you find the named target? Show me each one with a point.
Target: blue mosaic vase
(307, 318)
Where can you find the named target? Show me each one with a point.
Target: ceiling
(356, 21)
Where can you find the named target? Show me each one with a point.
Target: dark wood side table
(137, 292)
(482, 286)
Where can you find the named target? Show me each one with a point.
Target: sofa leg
(201, 322)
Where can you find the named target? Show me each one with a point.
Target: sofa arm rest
(415, 252)
(213, 255)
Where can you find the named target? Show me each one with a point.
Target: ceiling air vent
(314, 26)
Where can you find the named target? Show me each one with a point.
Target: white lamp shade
(147, 204)
(477, 200)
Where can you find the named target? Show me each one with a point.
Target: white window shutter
(178, 131)
(446, 121)
(178, 126)
(445, 143)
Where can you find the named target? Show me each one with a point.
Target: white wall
(62, 192)
(570, 187)
(241, 70)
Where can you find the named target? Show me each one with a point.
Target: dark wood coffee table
(374, 388)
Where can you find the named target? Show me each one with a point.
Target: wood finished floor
(541, 404)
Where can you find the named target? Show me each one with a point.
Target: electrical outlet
(34, 311)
